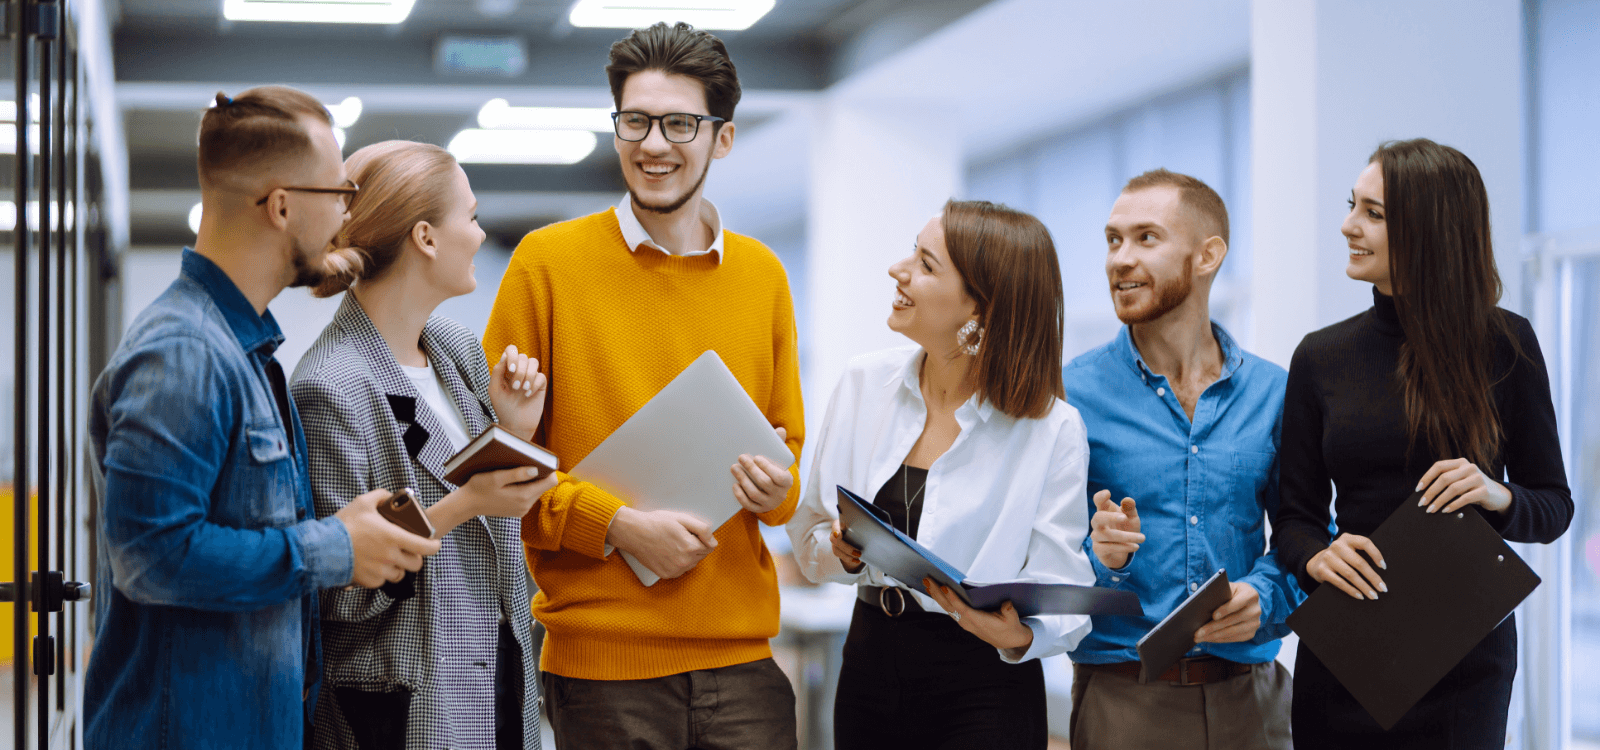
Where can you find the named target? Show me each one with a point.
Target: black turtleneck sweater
(1344, 421)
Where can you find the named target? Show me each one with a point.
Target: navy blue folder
(898, 556)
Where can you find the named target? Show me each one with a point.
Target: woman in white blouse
(965, 441)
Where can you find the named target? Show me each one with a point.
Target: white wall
(1332, 79)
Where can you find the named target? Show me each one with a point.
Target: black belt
(893, 600)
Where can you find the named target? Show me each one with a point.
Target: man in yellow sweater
(614, 305)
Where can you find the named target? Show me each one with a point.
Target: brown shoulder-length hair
(1008, 263)
(1446, 286)
(402, 183)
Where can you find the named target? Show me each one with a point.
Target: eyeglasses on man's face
(348, 192)
(677, 127)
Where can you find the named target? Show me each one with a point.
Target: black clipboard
(900, 557)
(1171, 638)
(1451, 581)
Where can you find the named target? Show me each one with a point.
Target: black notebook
(1451, 581)
(1171, 638)
(898, 556)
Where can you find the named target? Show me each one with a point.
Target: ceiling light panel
(498, 114)
(479, 146)
(318, 11)
(731, 15)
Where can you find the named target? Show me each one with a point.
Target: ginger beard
(1164, 297)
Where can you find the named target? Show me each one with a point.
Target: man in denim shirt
(1185, 421)
(208, 550)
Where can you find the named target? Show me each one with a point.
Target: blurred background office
(859, 119)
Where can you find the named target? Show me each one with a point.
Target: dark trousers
(742, 707)
(1466, 710)
(920, 681)
(378, 720)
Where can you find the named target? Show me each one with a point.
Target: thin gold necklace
(905, 479)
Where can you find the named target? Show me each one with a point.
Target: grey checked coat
(366, 428)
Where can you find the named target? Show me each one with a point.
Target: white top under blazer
(1005, 502)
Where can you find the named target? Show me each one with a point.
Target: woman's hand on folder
(1002, 629)
(516, 388)
(849, 556)
(1455, 483)
(669, 543)
(1114, 533)
(1343, 565)
(759, 484)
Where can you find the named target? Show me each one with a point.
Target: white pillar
(879, 170)
(1330, 81)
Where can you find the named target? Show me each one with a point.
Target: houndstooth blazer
(366, 428)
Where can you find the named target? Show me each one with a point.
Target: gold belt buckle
(883, 601)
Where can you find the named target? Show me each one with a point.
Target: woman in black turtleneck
(1434, 388)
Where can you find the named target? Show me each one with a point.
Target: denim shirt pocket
(1247, 480)
(273, 498)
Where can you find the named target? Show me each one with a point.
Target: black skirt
(920, 681)
(1466, 710)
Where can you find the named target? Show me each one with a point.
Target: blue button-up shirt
(1204, 489)
(209, 550)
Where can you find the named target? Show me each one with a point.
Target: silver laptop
(675, 452)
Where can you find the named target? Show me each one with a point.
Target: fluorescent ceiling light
(8, 215)
(339, 135)
(475, 146)
(498, 114)
(346, 113)
(8, 137)
(194, 218)
(732, 15)
(8, 109)
(318, 11)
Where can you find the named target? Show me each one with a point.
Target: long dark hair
(1008, 261)
(1446, 286)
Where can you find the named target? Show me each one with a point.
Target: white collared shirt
(634, 234)
(1005, 502)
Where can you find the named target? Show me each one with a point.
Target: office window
(1070, 179)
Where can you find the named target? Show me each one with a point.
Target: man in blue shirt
(209, 552)
(1183, 420)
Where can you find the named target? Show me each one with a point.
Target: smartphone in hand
(403, 510)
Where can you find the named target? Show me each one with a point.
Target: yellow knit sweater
(611, 328)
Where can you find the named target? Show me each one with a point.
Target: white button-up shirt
(634, 234)
(1005, 502)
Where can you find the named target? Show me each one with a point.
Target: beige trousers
(1248, 712)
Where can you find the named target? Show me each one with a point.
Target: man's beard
(667, 208)
(307, 271)
(1168, 295)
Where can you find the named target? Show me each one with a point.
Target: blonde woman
(388, 393)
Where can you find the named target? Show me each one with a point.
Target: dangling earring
(962, 336)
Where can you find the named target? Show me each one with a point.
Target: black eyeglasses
(677, 127)
(348, 189)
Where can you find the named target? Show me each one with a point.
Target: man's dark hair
(1195, 195)
(255, 129)
(682, 50)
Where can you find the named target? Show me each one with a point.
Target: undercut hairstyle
(1446, 287)
(1008, 263)
(1196, 196)
(682, 50)
(402, 183)
(255, 130)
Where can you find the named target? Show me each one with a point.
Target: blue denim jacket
(1204, 489)
(209, 551)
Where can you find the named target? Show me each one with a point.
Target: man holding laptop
(614, 306)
